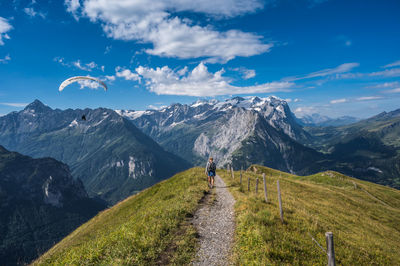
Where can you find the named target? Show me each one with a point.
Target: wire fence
(329, 251)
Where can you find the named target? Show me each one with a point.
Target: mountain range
(107, 152)
(264, 131)
(40, 203)
(118, 153)
(325, 121)
(225, 130)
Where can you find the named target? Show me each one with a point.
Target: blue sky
(333, 57)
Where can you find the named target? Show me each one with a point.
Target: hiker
(210, 172)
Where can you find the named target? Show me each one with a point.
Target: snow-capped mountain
(276, 112)
(107, 152)
(222, 129)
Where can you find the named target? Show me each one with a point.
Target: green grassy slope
(364, 218)
(152, 227)
(148, 228)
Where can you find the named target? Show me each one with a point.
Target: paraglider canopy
(81, 78)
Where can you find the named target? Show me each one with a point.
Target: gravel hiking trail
(215, 223)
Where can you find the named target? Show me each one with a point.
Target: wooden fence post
(280, 201)
(233, 175)
(241, 169)
(256, 185)
(330, 249)
(265, 188)
(227, 168)
(248, 184)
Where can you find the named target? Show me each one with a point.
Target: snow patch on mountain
(73, 123)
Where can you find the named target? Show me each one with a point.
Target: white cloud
(88, 84)
(396, 90)
(155, 107)
(30, 11)
(78, 64)
(200, 82)
(172, 36)
(338, 101)
(394, 72)
(4, 28)
(343, 68)
(369, 98)
(5, 59)
(126, 74)
(72, 7)
(107, 49)
(344, 40)
(305, 110)
(296, 100)
(86, 67)
(110, 78)
(15, 104)
(394, 64)
(246, 73)
(385, 85)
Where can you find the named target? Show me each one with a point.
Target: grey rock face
(222, 129)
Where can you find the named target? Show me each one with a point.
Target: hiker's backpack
(212, 167)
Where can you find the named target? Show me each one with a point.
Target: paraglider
(71, 80)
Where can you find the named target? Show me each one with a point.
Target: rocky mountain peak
(37, 106)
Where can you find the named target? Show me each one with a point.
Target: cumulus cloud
(30, 11)
(199, 82)
(88, 84)
(173, 36)
(72, 7)
(110, 78)
(343, 68)
(126, 74)
(339, 101)
(5, 59)
(5, 27)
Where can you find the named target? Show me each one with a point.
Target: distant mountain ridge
(325, 121)
(228, 130)
(40, 203)
(107, 152)
(264, 131)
